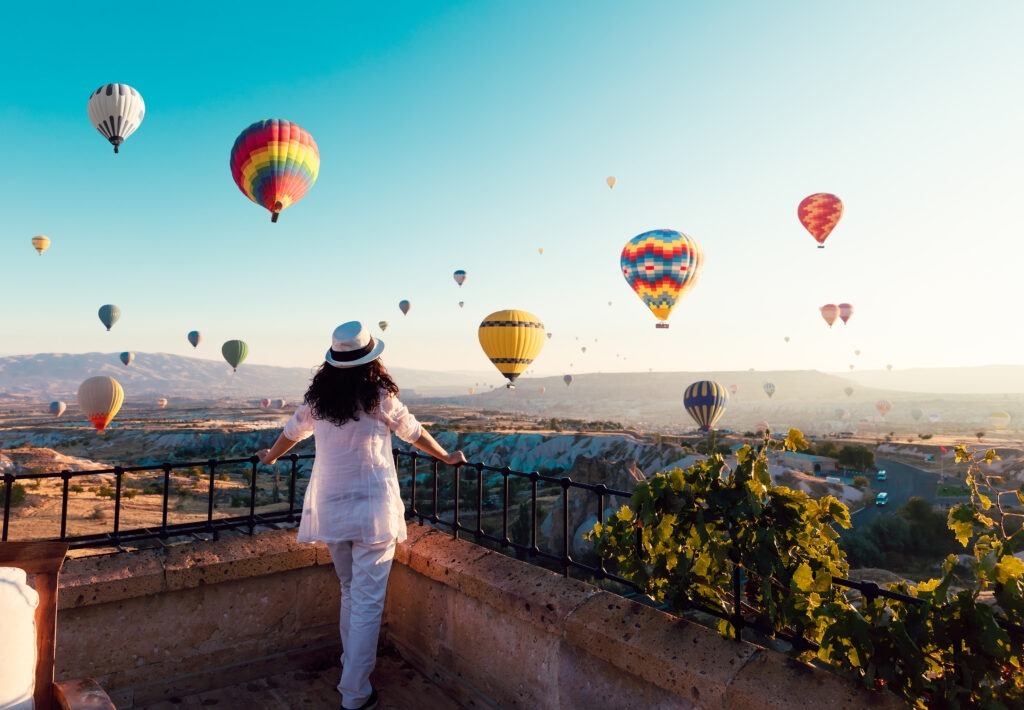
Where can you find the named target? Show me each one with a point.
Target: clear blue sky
(468, 134)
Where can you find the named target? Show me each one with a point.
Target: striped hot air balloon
(117, 111)
(845, 311)
(459, 276)
(274, 163)
(235, 352)
(829, 312)
(820, 213)
(109, 315)
(512, 339)
(705, 401)
(661, 266)
(40, 243)
(883, 406)
(100, 398)
(769, 389)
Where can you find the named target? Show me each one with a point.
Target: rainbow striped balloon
(705, 401)
(661, 266)
(274, 163)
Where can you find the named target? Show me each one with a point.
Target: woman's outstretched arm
(282, 446)
(428, 445)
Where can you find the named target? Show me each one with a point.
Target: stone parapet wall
(493, 631)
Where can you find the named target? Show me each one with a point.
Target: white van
(882, 498)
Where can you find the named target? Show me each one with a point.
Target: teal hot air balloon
(127, 357)
(194, 337)
(705, 401)
(234, 351)
(109, 315)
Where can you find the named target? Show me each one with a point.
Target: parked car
(881, 474)
(882, 498)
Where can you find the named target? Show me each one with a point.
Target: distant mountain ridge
(57, 376)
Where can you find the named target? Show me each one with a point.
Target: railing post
(65, 494)
(456, 524)
(601, 491)
(252, 495)
(292, 482)
(167, 497)
(8, 494)
(534, 478)
(118, 476)
(506, 540)
(566, 558)
(212, 463)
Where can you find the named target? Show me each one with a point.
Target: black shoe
(370, 704)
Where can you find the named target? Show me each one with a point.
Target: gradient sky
(468, 134)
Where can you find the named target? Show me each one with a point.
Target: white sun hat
(352, 345)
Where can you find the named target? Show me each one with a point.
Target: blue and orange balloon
(194, 337)
(661, 266)
(705, 401)
(274, 163)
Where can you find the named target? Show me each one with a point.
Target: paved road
(903, 483)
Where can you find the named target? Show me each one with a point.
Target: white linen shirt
(353, 489)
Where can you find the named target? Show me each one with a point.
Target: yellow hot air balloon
(611, 181)
(41, 243)
(512, 339)
(100, 398)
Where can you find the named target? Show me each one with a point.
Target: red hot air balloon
(820, 213)
(274, 163)
(883, 406)
(845, 311)
(830, 312)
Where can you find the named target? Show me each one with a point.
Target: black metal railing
(452, 498)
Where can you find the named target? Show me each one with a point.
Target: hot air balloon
(999, 420)
(829, 312)
(916, 413)
(845, 311)
(459, 276)
(127, 358)
(461, 304)
(543, 390)
(57, 408)
(769, 389)
(583, 348)
(567, 379)
(403, 306)
(848, 391)
(274, 163)
(549, 336)
(610, 180)
(857, 353)
(852, 366)
(472, 390)
(540, 250)
(264, 403)
(883, 406)
(234, 351)
(116, 110)
(705, 401)
(889, 368)
(109, 315)
(383, 325)
(161, 402)
(512, 339)
(786, 338)
(195, 337)
(933, 417)
(100, 398)
(820, 213)
(661, 266)
(279, 403)
(733, 389)
(41, 243)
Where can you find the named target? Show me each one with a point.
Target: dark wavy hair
(339, 394)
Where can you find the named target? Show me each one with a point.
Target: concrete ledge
(497, 632)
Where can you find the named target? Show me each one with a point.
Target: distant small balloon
(769, 389)
(161, 402)
(264, 403)
(889, 368)
(41, 243)
(195, 337)
(856, 352)
(57, 408)
(848, 391)
(829, 312)
(549, 336)
(383, 325)
(540, 250)
(403, 306)
(235, 352)
(567, 379)
(461, 304)
(786, 338)
(472, 390)
(733, 389)
(820, 213)
(845, 311)
(610, 180)
(883, 406)
(916, 413)
(459, 276)
(109, 315)
(127, 358)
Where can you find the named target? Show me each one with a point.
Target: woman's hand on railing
(264, 456)
(455, 458)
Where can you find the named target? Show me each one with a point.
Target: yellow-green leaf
(803, 578)
(1009, 568)
(624, 514)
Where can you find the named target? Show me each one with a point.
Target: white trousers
(363, 571)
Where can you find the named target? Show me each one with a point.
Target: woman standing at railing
(352, 503)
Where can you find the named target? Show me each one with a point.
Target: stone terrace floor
(399, 684)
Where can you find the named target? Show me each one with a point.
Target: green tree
(856, 457)
(861, 482)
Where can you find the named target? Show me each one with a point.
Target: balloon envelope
(57, 408)
(100, 398)
(769, 389)
(127, 358)
(829, 312)
(274, 163)
(116, 110)
(661, 266)
(705, 401)
(610, 180)
(567, 379)
(235, 352)
(845, 311)
(264, 403)
(733, 389)
(161, 402)
(383, 325)
(459, 276)
(848, 391)
(883, 406)
(403, 306)
(195, 337)
(512, 339)
(109, 315)
(916, 413)
(41, 243)
(820, 213)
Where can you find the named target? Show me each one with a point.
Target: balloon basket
(661, 325)
(821, 246)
